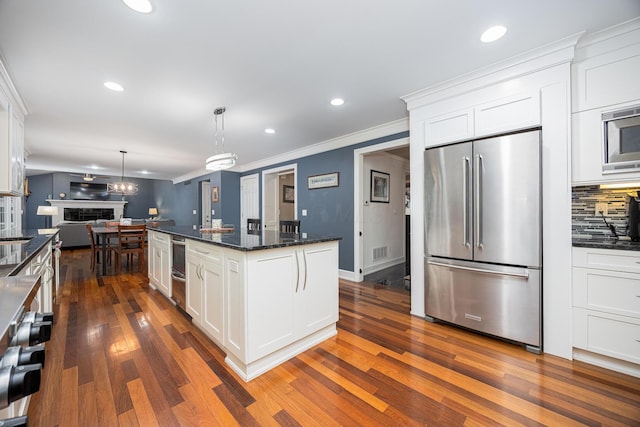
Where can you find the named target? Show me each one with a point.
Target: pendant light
(122, 187)
(220, 160)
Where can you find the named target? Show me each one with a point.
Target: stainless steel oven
(621, 140)
(178, 272)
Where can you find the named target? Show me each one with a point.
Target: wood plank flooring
(121, 354)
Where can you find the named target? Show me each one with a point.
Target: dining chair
(95, 250)
(290, 227)
(254, 225)
(131, 241)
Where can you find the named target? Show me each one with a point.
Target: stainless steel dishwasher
(178, 275)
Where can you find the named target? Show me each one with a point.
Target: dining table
(103, 234)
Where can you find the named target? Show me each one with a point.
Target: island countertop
(241, 240)
(23, 246)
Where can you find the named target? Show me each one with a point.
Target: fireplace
(87, 214)
(86, 210)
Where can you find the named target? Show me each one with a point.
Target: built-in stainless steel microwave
(621, 137)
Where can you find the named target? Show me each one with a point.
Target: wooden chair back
(131, 240)
(254, 225)
(290, 227)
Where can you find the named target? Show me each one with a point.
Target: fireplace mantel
(116, 205)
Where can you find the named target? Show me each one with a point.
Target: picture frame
(323, 181)
(288, 194)
(379, 187)
(215, 194)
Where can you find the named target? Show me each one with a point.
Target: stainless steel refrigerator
(483, 222)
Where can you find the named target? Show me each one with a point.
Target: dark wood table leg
(104, 254)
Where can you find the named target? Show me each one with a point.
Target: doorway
(380, 257)
(205, 204)
(275, 206)
(249, 198)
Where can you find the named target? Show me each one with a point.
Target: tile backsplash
(584, 220)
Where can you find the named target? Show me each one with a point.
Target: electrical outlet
(602, 208)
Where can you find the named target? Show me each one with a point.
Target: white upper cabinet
(454, 126)
(510, 108)
(518, 111)
(604, 78)
(11, 139)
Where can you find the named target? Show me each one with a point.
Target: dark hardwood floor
(121, 354)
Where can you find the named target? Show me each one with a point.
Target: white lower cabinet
(205, 288)
(291, 304)
(263, 307)
(159, 261)
(606, 304)
(41, 265)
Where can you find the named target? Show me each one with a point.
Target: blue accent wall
(230, 198)
(329, 210)
(49, 186)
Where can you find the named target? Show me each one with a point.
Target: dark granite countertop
(21, 248)
(606, 243)
(243, 241)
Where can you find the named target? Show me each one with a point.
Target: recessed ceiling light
(114, 86)
(270, 131)
(337, 101)
(493, 34)
(142, 6)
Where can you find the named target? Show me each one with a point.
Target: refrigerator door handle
(524, 275)
(466, 165)
(478, 203)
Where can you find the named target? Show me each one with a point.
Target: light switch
(304, 235)
(195, 212)
(213, 212)
(194, 226)
(304, 212)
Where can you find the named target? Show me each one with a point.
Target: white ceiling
(271, 63)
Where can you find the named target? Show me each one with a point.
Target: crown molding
(7, 82)
(528, 62)
(397, 126)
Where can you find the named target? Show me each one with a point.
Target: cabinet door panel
(194, 288)
(450, 127)
(270, 309)
(213, 290)
(317, 302)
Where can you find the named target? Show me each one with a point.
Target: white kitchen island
(261, 298)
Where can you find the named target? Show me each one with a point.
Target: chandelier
(220, 160)
(122, 187)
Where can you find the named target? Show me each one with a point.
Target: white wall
(384, 222)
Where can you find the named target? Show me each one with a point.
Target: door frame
(264, 190)
(205, 203)
(358, 200)
(243, 216)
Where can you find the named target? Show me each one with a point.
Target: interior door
(270, 218)
(249, 198)
(205, 209)
(448, 209)
(507, 191)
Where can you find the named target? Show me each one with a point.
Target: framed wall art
(379, 187)
(215, 194)
(288, 193)
(323, 181)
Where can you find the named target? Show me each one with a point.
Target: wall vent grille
(379, 253)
